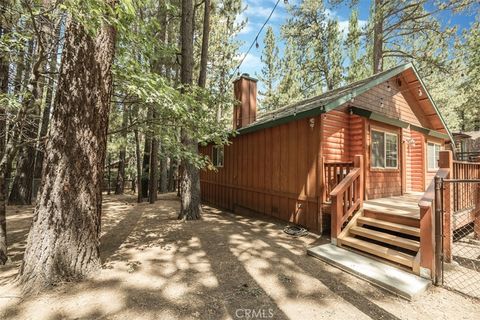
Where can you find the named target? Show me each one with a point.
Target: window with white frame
(384, 150)
(433, 154)
(217, 156)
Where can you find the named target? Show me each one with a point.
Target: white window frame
(385, 134)
(435, 145)
(215, 161)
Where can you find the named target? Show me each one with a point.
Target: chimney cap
(245, 76)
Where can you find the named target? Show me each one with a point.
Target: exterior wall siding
(276, 171)
(398, 103)
(271, 171)
(430, 174)
(417, 158)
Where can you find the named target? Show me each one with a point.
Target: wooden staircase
(385, 236)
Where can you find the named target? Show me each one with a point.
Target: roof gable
(337, 97)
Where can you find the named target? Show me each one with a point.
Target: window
(433, 154)
(217, 156)
(384, 150)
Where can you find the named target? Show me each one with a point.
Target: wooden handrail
(427, 199)
(345, 163)
(345, 183)
(347, 196)
(333, 173)
(427, 221)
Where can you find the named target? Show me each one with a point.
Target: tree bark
(47, 109)
(172, 175)
(120, 183)
(378, 38)
(146, 159)
(138, 158)
(163, 172)
(202, 78)
(153, 179)
(190, 208)
(63, 242)
(4, 73)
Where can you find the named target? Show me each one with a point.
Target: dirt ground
(223, 267)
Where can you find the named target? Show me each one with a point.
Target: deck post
(446, 162)
(358, 163)
(438, 271)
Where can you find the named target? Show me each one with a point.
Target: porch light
(312, 122)
(420, 92)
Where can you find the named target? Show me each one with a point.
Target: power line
(255, 40)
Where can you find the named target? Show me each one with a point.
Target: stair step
(386, 238)
(391, 217)
(413, 231)
(379, 251)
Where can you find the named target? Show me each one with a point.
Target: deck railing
(426, 263)
(347, 197)
(334, 172)
(468, 156)
(448, 201)
(464, 193)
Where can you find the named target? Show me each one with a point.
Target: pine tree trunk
(146, 159)
(3, 219)
(4, 72)
(163, 172)
(120, 183)
(190, 208)
(138, 158)
(378, 38)
(22, 187)
(63, 242)
(47, 109)
(153, 179)
(172, 175)
(202, 78)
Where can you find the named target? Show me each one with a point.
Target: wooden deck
(405, 205)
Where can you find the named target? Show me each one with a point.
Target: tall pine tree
(270, 71)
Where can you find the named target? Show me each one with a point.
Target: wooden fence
(464, 197)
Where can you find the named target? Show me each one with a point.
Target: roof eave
(437, 111)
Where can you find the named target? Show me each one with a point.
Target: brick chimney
(245, 110)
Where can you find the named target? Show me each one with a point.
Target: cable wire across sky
(255, 40)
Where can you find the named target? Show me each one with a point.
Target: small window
(384, 151)
(433, 154)
(217, 156)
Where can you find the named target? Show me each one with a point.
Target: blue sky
(257, 12)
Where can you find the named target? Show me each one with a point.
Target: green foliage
(289, 89)
(322, 61)
(356, 69)
(270, 71)
(145, 81)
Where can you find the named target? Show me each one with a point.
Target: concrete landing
(397, 281)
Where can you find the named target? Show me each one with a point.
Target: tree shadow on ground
(160, 268)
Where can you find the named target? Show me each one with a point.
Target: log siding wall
(417, 154)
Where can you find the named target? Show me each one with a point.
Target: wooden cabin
(360, 155)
